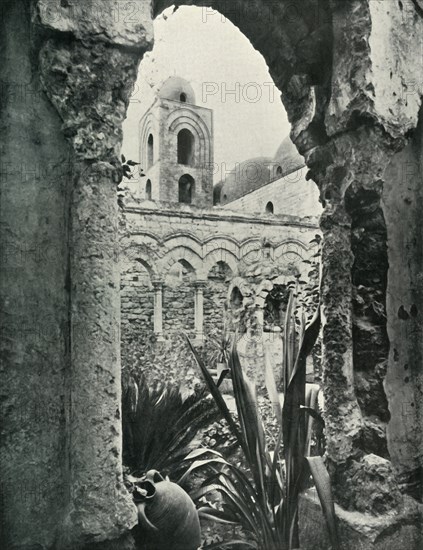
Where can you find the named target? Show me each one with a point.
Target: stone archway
(351, 109)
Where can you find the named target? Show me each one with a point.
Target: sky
(216, 58)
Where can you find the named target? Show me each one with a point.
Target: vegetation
(160, 425)
(127, 166)
(264, 497)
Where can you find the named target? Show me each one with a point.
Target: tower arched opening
(148, 190)
(186, 144)
(186, 188)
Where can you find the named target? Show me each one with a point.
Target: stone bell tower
(176, 147)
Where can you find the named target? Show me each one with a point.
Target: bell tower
(176, 147)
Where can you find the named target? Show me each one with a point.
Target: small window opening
(148, 190)
(279, 171)
(150, 151)
(269, 207)
(183, 97)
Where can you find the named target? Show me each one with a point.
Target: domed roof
(256, 172)
(244, 178)
(178, 89)
(288, 156)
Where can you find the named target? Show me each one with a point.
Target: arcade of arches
(349, 78)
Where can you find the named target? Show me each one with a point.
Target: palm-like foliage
(265, 499)
(221, 348)
(160, 425)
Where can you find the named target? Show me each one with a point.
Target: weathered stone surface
(402, 204)
(347, 73)
(369, 485)
(377, 79)
(127, 24)
(34, 352)
(90, 87)
(94, 421)
(360, 531)
(157, 236)
(342, 413)
(65, 211)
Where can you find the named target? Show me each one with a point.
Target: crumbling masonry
(350, 77)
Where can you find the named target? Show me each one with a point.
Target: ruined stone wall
(183, 247)
(60, 365)
(349, 73)
(137, 302)
(215, 300)
(36, 176)
(402, 202)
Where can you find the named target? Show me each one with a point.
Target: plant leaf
(270, 382)
(323, 486)
(199, 464)
(218, 515)
(217, 396)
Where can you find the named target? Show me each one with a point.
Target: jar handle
(143, 520)
(154, 476)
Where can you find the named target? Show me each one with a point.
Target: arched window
(183, 97)
(269, 207)
(186, 189)
(279, 171)
(185, 147)
(148, 190)
(150, 151)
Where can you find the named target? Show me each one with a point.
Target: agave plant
(221, 348)
(264, 499)
(160, 425)
(219, 357)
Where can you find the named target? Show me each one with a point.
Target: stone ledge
(399, 530)
(157, 208)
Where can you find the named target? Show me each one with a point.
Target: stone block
(397, 530)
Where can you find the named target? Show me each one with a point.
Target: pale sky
(216, 58)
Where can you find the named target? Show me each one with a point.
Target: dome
(288, 156)
(177, 89)
(244, 178)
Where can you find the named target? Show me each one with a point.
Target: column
(158, 310)
(199, 310)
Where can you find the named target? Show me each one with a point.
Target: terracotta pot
(168, 516)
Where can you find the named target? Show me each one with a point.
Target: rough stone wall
(352, 102)
(137, 303)
(347, 76)
(35, 181)
(347, 72)
(211, 247)
(178, 306)
(74, 69)
(402, 207)
(215, 299)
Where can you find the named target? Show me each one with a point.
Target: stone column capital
(200, 284)
(157, 285)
